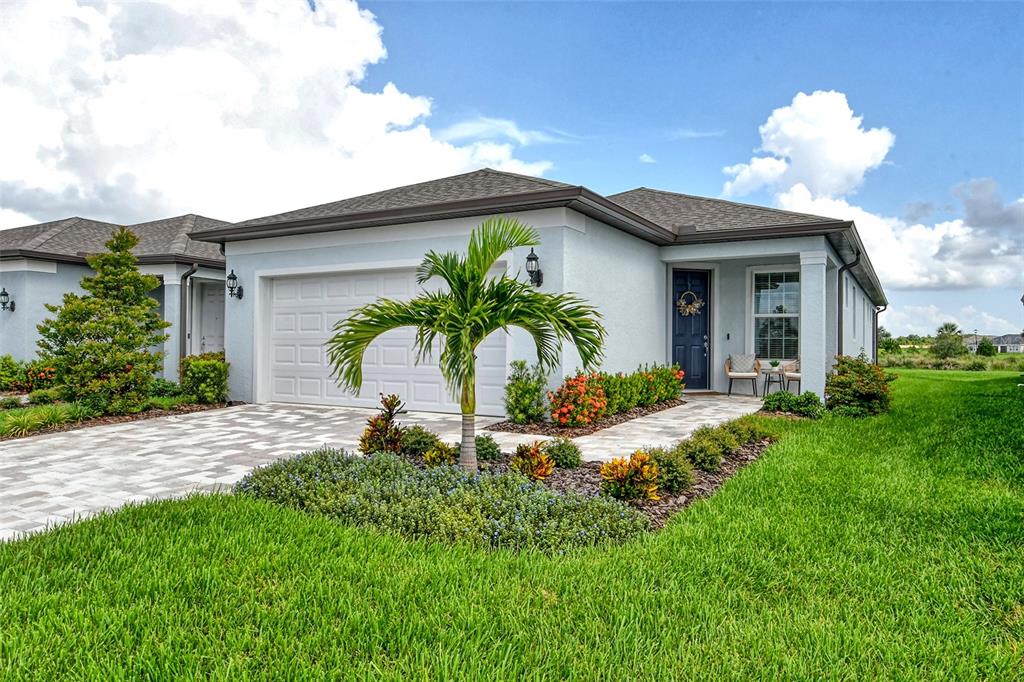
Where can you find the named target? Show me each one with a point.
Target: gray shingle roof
(481, 184)
(72, 237)
(684, 213)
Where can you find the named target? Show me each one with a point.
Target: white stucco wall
(257, 262)
(858, 319)
(33, 284)
(623, 277)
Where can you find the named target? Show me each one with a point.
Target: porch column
(813, 338)
(172, 313)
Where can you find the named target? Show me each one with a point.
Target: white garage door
(304, 311)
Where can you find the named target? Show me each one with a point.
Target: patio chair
(791, 373)
(746, 367)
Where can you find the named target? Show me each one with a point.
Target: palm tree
(948, 328)
(461, 317)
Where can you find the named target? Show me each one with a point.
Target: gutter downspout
(183, 312)
(878, 310)
(840, 288)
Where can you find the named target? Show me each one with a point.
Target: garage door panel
(304, 313)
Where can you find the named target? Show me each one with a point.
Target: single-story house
(1009, 343)
(40, 263)
(778, 284)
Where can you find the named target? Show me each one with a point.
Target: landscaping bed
(586, 480)
(118, 419)
(552, 429)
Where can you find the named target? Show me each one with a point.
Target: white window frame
(751, 315)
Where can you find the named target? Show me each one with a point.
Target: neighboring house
(1008, 343)
(779, 284)
(40, 263)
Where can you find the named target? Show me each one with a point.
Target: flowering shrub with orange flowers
(39, 375)
(579, 401)
(635, 478)
(660, 383)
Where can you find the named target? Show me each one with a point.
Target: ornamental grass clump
(494, 511)
(383, 433)
(580, 401)
(631, 479)
(531, 461)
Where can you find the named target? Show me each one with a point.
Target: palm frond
(345, 349)
(493, 238)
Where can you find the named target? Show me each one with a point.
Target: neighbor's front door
(691, 331)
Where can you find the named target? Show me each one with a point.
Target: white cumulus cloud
(129, 111)
(816, 141)
(646, 158)
(923, 320)
(816, 152)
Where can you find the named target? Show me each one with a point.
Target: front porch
(775, 299)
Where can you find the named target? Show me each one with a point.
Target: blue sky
(620, 79)
(905, 117)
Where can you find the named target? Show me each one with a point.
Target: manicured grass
(886, 547)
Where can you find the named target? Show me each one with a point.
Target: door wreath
(693, 307)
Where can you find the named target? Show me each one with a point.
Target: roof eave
(579, 198)
(147, 259)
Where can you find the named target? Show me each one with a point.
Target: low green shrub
(45, 396)
(162, 388)
(807, 404)
(564, 453)
(705, 448)
(675, 472)
(487, 449)
(170, 402)
(12, 373)
(416, 440)
(622, 391)
(383, 432)
(531, 461)
(524, 393)
(205, 377)
(10, 403)
(440, 454)
(746, 430)
(976, 365)
(496, 511)
(635, 478)
(858, 386)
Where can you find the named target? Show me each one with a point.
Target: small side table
(772, 375)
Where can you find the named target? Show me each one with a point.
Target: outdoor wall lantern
(533, 269)
(5, 301)
(234, 288)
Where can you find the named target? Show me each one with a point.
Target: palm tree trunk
(467, 453)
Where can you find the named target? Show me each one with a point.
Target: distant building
(1008, 343)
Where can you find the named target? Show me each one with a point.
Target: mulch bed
(549, 429)
(121, 418)
(586, 480)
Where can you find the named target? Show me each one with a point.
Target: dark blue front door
(691, 341)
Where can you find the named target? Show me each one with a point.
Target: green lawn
(886, 547)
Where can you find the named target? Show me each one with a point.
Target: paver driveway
(57, 477)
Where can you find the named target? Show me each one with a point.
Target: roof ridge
(533, 178)
(180, 242)
(48, 234)
(723, 201)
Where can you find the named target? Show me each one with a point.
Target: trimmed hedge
(807, 404)
(205, 377)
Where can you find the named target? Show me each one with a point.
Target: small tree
(985, 347)
(948, 342)
(101, 342)
(885, 341)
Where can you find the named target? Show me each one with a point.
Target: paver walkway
(54, 478)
